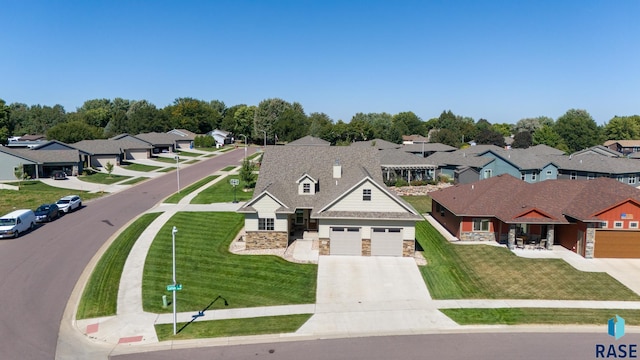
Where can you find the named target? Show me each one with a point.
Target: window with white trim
(306, 188)
(590, 176)
(620, 178)
(574, 175)
(604, 224)
(480, 224)
(549, 173)
(632, 179)
(523, 176)
(534, 176)
(266, 223)
(633, 225)
(617, 224)
(366, 194)
(487, 173)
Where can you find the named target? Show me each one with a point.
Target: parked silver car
(69, 203)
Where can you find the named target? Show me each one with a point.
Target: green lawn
(491, 272)
(206, 269)
(140, 167)
(542, 316)
(420, 203)
(168, 169)
(229, 168)
(100, 296)
(135, 180)
(35, 193)
(189, 154)
(222, 192)
(102, 178)
(167, 160)
(175, 198)
(251, 157)
(192, 161)
(232, 327)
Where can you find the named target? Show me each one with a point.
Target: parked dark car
(47, 212)
(58, 175)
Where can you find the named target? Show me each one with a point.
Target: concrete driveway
(364, 295)
(627, 271)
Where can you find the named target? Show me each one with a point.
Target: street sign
(234, 182)
(175, 287)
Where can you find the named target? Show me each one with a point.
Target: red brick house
(595, 218)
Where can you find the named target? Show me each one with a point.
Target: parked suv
(47, 212)
(69, 203)
(58, 175)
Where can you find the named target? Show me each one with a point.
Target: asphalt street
(477, 346)
(39, 270)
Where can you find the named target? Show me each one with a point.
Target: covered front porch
(408, 173)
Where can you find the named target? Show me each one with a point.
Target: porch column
(590, 241)
(550, 232)
(511, 239)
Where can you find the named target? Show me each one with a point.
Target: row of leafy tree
(278, 120)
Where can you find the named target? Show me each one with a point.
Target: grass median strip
(135, 180)
(100, 296)
(494, 272)
(541, 316)
(232, 327)
(207, 269)
(140, 167)
(175, 198)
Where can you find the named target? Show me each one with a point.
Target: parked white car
(69, 203)
(17, 222)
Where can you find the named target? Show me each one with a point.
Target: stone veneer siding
(408, 248)
(590, 241)
(259, 240)
(324, 247)
(366, 247)
(478, 236)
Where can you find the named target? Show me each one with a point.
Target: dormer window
(366, 194)
(306, 188)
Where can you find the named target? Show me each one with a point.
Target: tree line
(276, 120)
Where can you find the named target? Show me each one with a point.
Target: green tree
(490, 137)
(578, 130)
(74, 131)
(623, 128)
(483, 124)
(532, 124)
(194, 115)
(6, 128)
(522, 140)
(143, 117)
(266, 115)
(96, 112)
(247, 174)
(409, 123)
(20, 174)
(320, 126)
(504, 129)
(447, 137)
(546, 135)
(109, 168)
(291, 125)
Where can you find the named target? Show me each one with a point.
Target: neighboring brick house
(337, 192)
(596, 218)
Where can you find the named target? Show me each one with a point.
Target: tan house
(334, 191)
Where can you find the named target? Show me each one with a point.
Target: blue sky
(497, 60)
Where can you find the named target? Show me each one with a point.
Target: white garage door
(137, 154)
(345, 241)
(386, 242)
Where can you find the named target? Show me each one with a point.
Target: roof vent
(337, 170)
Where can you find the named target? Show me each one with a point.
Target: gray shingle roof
(377, 144)
(108, 146)
(51, 156)
(309, 141)
(155, 138)
(458, 158)
(427, 147)
(598, 164)
(399, 158)
(282, 166)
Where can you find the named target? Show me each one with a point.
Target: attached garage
(345, 241)
(137, 154)
(386, 242)
(617, 244)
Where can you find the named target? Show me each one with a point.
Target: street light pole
(245, 145)
(173, 250)
(178, 171)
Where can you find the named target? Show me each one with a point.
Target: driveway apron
(362, 295)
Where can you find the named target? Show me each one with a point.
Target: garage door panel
(617, 244)
(345, 241)
(386, 242)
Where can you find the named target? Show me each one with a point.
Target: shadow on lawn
(201, 312)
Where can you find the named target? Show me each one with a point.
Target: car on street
(69, 203)
(17, 222)
(58, 175)
(47, 213)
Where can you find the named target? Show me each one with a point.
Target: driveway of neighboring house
(376, 294)
(627, 271)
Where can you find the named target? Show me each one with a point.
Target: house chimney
(337, 169)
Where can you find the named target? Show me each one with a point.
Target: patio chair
(542, 245)
(520, 243)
